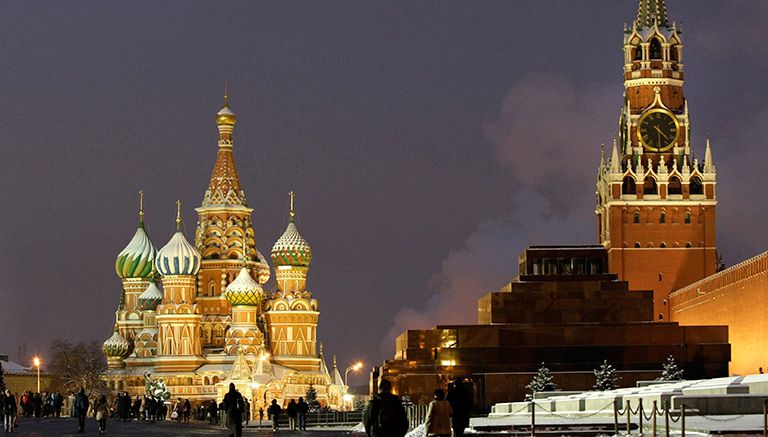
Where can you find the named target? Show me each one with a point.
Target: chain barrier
(574, 417)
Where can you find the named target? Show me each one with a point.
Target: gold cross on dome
(292, 214)
(141, 206)
(178, 214)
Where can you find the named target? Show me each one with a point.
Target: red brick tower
(656, 201)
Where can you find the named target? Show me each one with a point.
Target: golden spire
(245, 251)
(141, 207)
(226, 95)
(291, 214)
(178, 214)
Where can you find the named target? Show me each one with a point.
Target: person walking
(303, 410)
(461, 403)
(186, 410)
(9, 411)
(213, 412)
(438, 422)
(102, 412)
(81, 409)
(274, 413)
(384, 415)
(261, 416)
(292, 410)
(234, 406)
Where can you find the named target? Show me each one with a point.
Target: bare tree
(75, 366)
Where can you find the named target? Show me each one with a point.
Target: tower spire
(652, 12)
(178, 214)
(141, 207)
(615, 165)
(709, 165)
(224, 187)
(291, 214)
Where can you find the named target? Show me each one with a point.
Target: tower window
(696, 186)
(688, 218)
(649, 186)
(655, 49)
(637, 244)
(663, 217)
(638, 53)
(673, 55)
(636, 219)
(688, 244)
(675, 187)
(663, 245)
(628, 186)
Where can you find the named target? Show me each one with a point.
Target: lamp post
(346, 397)
(36, 361)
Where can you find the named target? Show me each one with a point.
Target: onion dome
(136, 260)
(291, 249)
(244, 290)
(116, 346)
(178, 257)
(150, 298)
(225, 116)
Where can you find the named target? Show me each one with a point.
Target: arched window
(696, 186)
(628, 186)
(688, 244)
(636, 219)
(211, 288)
(673, 55)
(688, 218)
(663, 245)
(638, 53)
(649, 186)
(637, 244)
(663, 217)
(655, 50)
(675, 187)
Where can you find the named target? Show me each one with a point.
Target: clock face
(658, 130)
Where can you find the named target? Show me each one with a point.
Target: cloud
(547, 135)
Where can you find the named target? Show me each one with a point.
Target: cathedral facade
(196, 315)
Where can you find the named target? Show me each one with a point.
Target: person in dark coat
(9, 411)
(234, 406)
(385, 415)
(293, 411)
(461, 403)
(274, 413)
(81, 409)
(213, 411)
(303, 410)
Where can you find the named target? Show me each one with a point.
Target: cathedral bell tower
(656, 201)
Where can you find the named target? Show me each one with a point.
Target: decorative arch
(675, 186)
(636, 217)
(696, 187)
(649, 185)
(687, 218)
(654, 50)
(663, 217)
(628, 185)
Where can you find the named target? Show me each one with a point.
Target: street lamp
(347, 398)
(357, 366)
(36, 361)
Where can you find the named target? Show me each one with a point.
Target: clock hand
(660, 132)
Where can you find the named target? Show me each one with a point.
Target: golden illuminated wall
(736, 297)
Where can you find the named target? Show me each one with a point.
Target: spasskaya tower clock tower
(655, 200)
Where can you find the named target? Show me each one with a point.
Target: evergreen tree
(670, 371)
(314, 405)
(2, 379)
(606, 377)
(543, 381)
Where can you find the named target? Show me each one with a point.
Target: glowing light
(347, 397)
(255, 385)
(36, 361)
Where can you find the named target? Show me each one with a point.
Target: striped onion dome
(136, 260)
(244, 290)
(150, 298)
(291, 249)
(116, 346)
(178, 257)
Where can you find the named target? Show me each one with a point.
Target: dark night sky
(428, 142)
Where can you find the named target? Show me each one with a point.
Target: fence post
(533, 418)
(682, 420)
(666, 417)
(629, 420)
(615, 418)
(654, 418)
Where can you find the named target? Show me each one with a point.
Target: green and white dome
(136, 260)
(150, 298)
(244, 290)
(291, 249)
(116, 346)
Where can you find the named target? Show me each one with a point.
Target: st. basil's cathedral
(197, 315)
